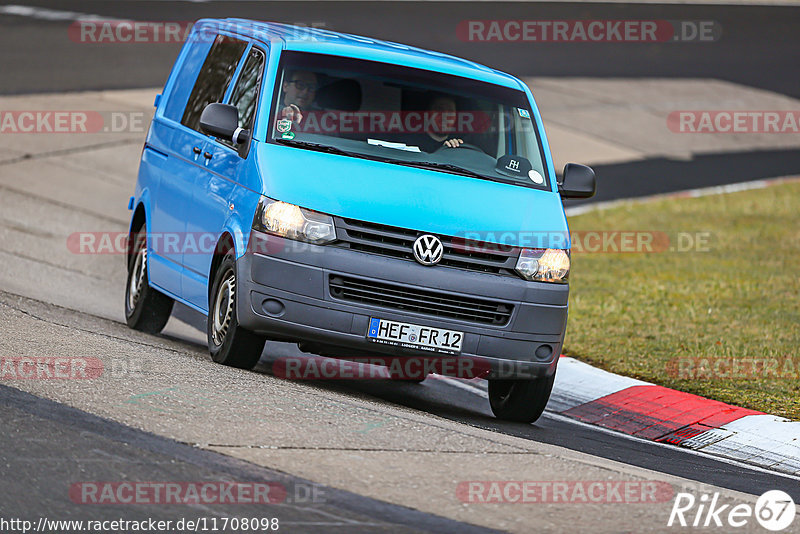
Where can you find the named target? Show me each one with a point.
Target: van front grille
(422, 301)
(398, 242)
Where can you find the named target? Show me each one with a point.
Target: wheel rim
(137, 279)
(223, 308)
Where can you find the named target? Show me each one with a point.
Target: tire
(403, 378)
(229, 343)
(146, 309)
(520, 400)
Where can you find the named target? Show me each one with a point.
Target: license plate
(414, 336)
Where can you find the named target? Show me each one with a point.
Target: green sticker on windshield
(283, 125)
(287, 135)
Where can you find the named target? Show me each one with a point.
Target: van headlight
(543, 265)
(293, 222)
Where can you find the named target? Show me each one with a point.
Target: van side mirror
(222, 120)
(578, 181)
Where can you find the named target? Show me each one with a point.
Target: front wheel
(412, 379)
(229, 343)
(521, 400)
(146, 309)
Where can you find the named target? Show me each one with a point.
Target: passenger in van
(430, 141)
(299, 90)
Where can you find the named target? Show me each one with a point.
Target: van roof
(325, 41)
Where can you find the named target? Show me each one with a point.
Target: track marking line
(466, 386)
(43, 13)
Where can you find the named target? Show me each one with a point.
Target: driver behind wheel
(298, 95)
(444, 109)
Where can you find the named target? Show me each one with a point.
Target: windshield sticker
(535, 177)
(283, 125)
(287, 135)
(513, 165)
(524, 113)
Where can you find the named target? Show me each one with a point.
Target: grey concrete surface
(630, 117)
(391, 453)
(94, 451)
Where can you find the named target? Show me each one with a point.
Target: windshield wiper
(442, 166)
(319, 147)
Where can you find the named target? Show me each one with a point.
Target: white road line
(563, 418)
(43, 13)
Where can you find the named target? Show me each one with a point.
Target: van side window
(245, 93)
(198, 47)
(214, 78)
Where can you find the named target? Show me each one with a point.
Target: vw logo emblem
(428, 250)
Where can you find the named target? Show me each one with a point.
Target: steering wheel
(469, 146)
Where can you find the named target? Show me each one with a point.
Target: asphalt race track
(101, 449)
(75, 433)
(758, 45)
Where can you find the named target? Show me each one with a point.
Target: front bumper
(284, 293)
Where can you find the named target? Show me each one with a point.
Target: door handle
(208, 155)
(196, 150)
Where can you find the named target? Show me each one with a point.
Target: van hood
(418, 199)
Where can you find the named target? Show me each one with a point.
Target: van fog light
(543, 352)
(273, 307)
(543, 265)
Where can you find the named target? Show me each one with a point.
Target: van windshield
(406, 116)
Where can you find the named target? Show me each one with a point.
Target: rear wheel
(146, 309)
(228, 342)
(521, 400)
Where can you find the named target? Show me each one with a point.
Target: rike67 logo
(774, 510)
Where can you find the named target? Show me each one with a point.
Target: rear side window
(214, 78)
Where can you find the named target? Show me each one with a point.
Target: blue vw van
(356, 197)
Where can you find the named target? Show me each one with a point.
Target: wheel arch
(138, 220)
(225, 243)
